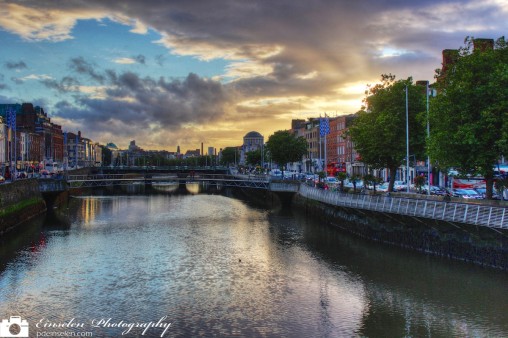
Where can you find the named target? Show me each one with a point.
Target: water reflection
(217, 266)
(409, 294)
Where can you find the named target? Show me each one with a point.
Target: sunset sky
(169, 73)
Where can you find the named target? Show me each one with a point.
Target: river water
(210, 265)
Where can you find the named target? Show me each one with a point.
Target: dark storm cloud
(145, 101)
(341, 41)
(276, 49)
(80, 66)
(15, 65)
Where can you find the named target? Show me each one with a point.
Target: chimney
(423, 84)
(450, 56)
(483, 44)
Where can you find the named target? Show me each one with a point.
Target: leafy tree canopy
(469, 116)
(379, 132)
(284, 147)
(230, 155)
(254, 157)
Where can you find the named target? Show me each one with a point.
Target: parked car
(434, 190)
(483, 193)
(311, 176)
(399, 186)
(383, 187)
(276, 173)
(466, 193)
(349, 184)
(331, 179)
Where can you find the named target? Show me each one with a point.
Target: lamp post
(407, 142)
(428, 136)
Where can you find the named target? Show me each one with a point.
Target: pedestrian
(447, 197)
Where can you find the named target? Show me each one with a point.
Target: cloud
(140, 59)
(124, 61)
(128, 61)
(36, 22)
(159, 59)
(128, 99)
(67, 84)
(80, 66)
(277, 53)
(33, 77)
(15, 65)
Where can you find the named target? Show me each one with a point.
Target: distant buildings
(29, 140)
(252, 141)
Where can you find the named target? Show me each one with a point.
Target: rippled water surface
(215, 266)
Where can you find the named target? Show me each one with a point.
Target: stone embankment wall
(19, 201)
(478, 245)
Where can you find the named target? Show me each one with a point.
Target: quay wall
(19, 201)
(475, 244)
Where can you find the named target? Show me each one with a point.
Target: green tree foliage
(254, 157)
(341, 176)
(371, 180)
(230, 155)
(469, 116)
(284, 147)
(379, 131)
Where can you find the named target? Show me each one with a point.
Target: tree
(379, 131)
(286, 147)
(469, 117)
(230, 155)
(341, 176)
(253, 157)
(371, 180)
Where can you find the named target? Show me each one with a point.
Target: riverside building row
(29, 140)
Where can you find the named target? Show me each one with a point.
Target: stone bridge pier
(285, 191)
(52, 190)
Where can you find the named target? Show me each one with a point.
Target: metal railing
(75, 181)
(482, 215)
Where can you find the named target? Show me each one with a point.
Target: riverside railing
(482, 215)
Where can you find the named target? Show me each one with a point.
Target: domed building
(251, 141)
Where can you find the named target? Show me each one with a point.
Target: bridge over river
(491, 216)
(220, 180)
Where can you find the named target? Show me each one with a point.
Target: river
(210, 265)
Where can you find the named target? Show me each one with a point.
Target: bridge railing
(482, 215)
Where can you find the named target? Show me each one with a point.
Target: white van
(52, 167)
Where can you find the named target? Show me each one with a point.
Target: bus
(333, 168)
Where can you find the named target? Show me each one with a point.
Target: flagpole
(326, 133)
(320, 140)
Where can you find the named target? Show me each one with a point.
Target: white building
(252, 141)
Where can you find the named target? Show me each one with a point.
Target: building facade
(252, 141)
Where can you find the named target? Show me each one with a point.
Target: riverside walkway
(476, 214)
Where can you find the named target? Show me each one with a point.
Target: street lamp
(407, 142)
(428, 136)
